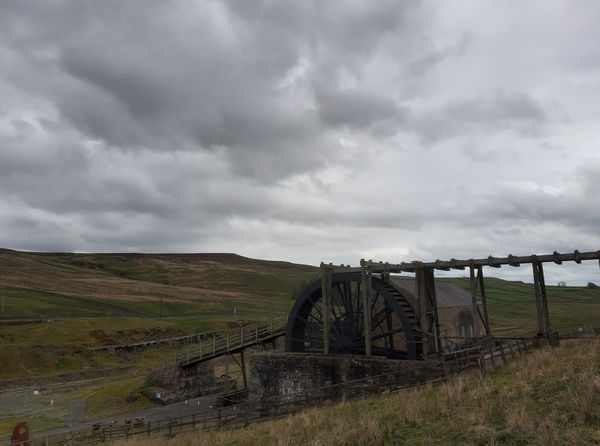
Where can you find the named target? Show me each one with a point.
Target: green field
(153, 284)
(512, 306)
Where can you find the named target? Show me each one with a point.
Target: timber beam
(494, 262)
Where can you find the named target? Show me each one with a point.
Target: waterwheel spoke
(346, 316)
(388, 333)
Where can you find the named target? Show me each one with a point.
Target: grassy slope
(203, 287)
(40, 283)
(512, 306)
(548, 397)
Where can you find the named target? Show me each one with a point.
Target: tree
(592, 285)
(562, 283)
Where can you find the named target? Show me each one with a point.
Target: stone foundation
(189, 382)
(284, 377)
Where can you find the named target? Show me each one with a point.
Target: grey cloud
(513, 111)
(576, 207)
(358, 109)
(437, 55)
(131, 80)
(299, 130)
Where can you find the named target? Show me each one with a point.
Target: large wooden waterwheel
(393, 331)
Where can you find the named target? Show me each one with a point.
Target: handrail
(233, 340)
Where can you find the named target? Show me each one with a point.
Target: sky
(304, 131)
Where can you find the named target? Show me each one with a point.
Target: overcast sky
(305, 131)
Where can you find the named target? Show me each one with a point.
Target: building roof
(448, 295)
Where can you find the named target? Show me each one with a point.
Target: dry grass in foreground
(548, 397)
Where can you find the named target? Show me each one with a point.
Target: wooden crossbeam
(495, 262)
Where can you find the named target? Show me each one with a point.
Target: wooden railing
(233, 340)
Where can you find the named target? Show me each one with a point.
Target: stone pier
(294, 378)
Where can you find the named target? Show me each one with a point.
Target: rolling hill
(135, 284)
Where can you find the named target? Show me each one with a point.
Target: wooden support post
(365, 285)
(544, 295)
(475, 308)
(429, 322)
(243, 365)
(326, 289)
(486, 319)
(541, 299)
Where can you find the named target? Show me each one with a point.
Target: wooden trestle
(426, 298)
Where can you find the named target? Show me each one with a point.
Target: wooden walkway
(233, 341)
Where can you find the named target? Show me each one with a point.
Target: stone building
(455, 310)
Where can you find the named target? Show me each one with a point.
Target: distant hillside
(60, 283)
(213, 285)
(512, 306)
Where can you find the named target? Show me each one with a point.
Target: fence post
(242, 335)
(482, 362)
(227, 341)
(502, 353)
(214, 345)
(492, 358)
(200, 349)
(256, 332)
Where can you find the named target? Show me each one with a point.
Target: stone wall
(284, 377)
(184, 383)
